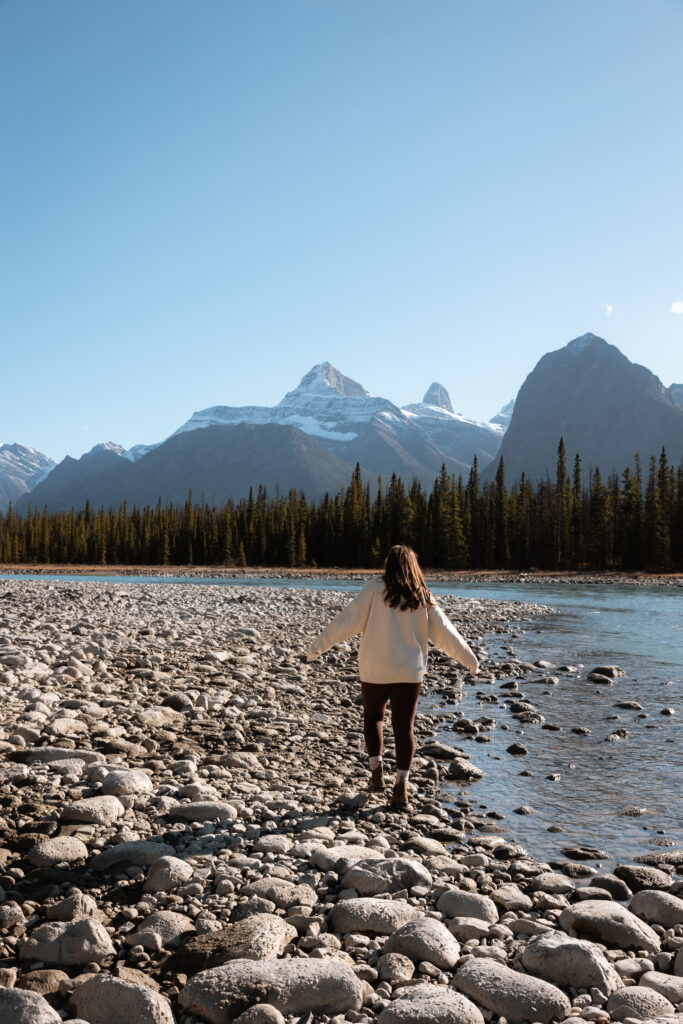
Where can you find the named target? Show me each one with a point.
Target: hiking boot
(377, 779)
(399, 797)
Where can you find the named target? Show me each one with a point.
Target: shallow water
(636, 627)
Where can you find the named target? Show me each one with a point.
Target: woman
(397, 617)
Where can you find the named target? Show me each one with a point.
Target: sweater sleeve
(351, 621)
(444, 635)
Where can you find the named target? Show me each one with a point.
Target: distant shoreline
(283, 572)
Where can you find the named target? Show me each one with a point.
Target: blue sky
(199, 201)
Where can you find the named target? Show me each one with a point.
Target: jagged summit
(576, 344)
(322, 379)
(436, 394)
(107, 446)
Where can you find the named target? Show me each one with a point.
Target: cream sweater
(393, 646)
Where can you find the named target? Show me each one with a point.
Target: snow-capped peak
(108, 446)
(437, 395)
(323, 379)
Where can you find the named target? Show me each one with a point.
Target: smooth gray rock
(204, 810)
(68, 944)
(159, 929)
(658, 907)
(281, 892)
(367, 915)
(430, 1004)
(643, 1003)
(566, 961)
(511, 897)
(611, 924)
(20, 1006)
(106, 1000)
(371, 877)
(141, 852)
(127, 782)
(425, 939)
(55, 851)
(510, 994)
(461, 903)
(167, 873)
(328, 857)
(667, 985)
(292, 986)
(96, 810)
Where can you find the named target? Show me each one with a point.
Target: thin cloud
(608, 309)
(677, 306)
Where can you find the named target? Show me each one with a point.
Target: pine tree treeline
(628, 522)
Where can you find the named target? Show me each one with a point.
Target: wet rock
(567, 961)
(68, 944)
(464, 771)
(611, 924)
(20, 1006)
(584, 853)
(435, 1004)
(425, 939)
(611, 671)
(517, 749)
(106, 1000)
(617, 888)
(291, 986)
(510, 994)
(640, 876)
(379, 917)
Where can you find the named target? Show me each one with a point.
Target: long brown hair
(403, 579)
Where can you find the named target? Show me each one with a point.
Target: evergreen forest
(628, 522)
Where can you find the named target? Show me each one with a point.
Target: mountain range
(605, 407)
(311, 440)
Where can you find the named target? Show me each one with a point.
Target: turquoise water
(640, 629)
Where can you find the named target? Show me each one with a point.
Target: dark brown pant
(402, 698)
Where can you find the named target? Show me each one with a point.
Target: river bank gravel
(185, 836)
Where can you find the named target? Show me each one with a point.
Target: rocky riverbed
(184, 834)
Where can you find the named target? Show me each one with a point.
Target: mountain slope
(605, 407)
(21, 468)
(216, 463)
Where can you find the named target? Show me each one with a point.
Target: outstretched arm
(443, 633)
(348, 623)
